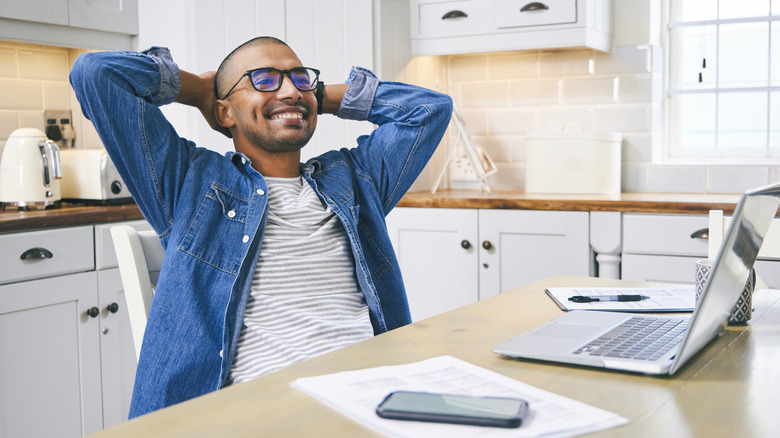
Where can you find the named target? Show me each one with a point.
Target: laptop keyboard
(644, 338)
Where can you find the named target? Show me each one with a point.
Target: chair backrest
(139, 255)
(719, 224)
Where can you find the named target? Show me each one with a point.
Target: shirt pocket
(215, 235)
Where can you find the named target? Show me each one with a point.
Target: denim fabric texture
(186, 192)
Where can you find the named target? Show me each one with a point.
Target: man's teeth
(288, 116)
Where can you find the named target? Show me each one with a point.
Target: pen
(625, 297)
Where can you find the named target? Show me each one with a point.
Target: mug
(743, 309)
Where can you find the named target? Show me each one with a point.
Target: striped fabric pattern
(305, 299)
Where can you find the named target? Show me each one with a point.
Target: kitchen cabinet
(469, 26)
(103, 24)
(662, 247)
(106, 15)
(665, 247)
(68, 359)
(453, 257)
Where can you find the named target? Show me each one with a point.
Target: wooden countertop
(69, 215)
(690, 203)
(12, 220)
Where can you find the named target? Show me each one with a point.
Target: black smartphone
(449, 408)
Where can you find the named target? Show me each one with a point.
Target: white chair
(770, 249)
(140, 255)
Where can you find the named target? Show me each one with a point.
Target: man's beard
(270, 141)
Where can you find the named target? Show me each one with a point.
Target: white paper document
(357, 393)
(661, 299)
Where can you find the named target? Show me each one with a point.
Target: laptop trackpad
(568, 330)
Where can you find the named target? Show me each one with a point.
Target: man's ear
(223, 112)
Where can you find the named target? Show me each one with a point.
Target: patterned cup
(743, 309)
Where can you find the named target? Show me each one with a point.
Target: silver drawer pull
(535, 6)
(451, 15)
(704, 233)
(36, 253)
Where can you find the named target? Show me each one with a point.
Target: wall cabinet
(453, 257)
(68, 360)
(468, 26)
(105, 15)
(102, 24)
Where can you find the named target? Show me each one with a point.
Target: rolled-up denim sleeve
(357, 101)
(170, 76)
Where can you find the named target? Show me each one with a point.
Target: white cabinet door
(519, 247)
(40, 11)
(120, 16)
(117, 350)
(437, 251)
(50, 350)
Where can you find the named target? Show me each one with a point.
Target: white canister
(573, 162)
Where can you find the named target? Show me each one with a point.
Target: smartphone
(450, 408)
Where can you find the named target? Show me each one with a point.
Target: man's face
(276, 121)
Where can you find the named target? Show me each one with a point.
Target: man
(267, 261)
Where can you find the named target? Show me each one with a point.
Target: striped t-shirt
(305, 299)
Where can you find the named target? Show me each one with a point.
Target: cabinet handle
(535, 6)
(487, 245)
(465, 244)
(451, 15)
(113, 307)
(93, 312)
(704, 233)
(36, 253)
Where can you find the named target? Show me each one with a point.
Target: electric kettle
(30, 171)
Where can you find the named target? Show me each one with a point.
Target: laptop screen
(731, 269)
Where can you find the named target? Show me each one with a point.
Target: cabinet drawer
(46, 253)
(660, 269)
(105, 256)
(521, 13)
(453, 18)
(664, 234)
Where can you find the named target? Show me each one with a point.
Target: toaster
(89, 176)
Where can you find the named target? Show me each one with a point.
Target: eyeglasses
(267, 79)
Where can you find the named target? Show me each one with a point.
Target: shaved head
(226, 73)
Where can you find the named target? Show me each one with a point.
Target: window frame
(716, 154)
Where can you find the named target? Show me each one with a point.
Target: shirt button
(221, 353)
(245, 239)
(232, 213)
(243, 160)
(260, 192)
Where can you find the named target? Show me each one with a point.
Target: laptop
(588, 337)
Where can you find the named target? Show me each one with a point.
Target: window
(723, 83)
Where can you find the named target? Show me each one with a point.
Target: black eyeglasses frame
(281, 75)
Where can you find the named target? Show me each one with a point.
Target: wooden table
(730, 389)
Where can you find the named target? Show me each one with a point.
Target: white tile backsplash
(535, 93)
(8, 62)
(505, 95)
(741, 178)
(514, 122)
(33, 78)
(56, 95)
(48, 65)
(677, 179)
(8, 122)
(588, 91)
(21, 94)
(578, 119)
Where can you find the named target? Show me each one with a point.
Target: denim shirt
(210, 210)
